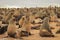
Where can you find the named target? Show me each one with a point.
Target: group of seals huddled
(24, 30)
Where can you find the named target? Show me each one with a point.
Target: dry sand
(34, 36)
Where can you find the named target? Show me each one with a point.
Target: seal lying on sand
(3, 27)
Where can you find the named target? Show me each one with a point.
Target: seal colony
(20, 21)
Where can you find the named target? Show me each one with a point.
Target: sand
(35, 36)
